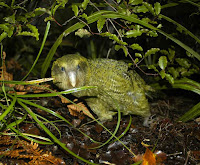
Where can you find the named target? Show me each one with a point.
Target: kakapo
(117, 86)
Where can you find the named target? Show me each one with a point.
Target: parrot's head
(70, 71)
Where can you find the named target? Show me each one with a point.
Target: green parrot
(117, 86)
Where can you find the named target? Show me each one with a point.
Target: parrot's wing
(113, 80)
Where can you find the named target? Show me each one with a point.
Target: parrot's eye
(62, 69)
(78, 67)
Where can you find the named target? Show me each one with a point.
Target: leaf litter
(166, 141)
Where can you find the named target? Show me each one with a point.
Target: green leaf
(173, 71)
(184, 62)
(33, 33)
(159, 26)
(26, 33)
(138, 55)
(2, 36)
(50, 18)
(141, 9)
(149, 7)
(84, 16)
(113, 37)
(136, 60)
(188, 54)
(54, 9)
(182, 70)
(193, 86)
(135, 2)
(187, 84)
(75, 10)
(3, 4)
(152, 33)
(62, 2)
(151, 51)
(84, 4)
(157, 8)
(137, 47)
(10, 32)
(165, 52)
(153, 67)
(10, 19)
(83, 33)
(171, 54)
(169, 5)
(162, 74)
(169, 78)
(39, 11)
(22, 19)
(147, 20)
(117, 47)
(133, 33)
(162, 62)
(122, 11)
(30, 15)
(100, 24)
(5, 27)
(190, 72)
(8, 29)
(191, 114)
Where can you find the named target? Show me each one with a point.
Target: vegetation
(156, 38)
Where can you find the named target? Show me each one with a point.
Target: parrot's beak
(72, 78)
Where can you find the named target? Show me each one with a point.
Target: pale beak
(72, 78)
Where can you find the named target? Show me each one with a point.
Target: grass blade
(63, 145)
(41, 48)
(191, 114)
(9, 109)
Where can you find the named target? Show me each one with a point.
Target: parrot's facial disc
(70, 71)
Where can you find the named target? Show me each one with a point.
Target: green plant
(131, 20)
(125, 24)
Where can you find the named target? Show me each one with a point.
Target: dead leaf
(12, 64)
(79, 107)
(29, 152)
(64, 100)
(138, 158)
(4, 75)
(23, 89)
(149, 158)
(194, 154)
(160, 157)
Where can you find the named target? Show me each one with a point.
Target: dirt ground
(173, 142)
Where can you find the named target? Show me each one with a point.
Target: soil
(170, 141)
(173, 142)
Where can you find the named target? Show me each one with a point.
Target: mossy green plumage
(117, 87)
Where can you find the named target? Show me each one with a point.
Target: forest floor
(169, 141)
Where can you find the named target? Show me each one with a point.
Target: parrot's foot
(148, 121)
(101, 109)
(106, 116)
